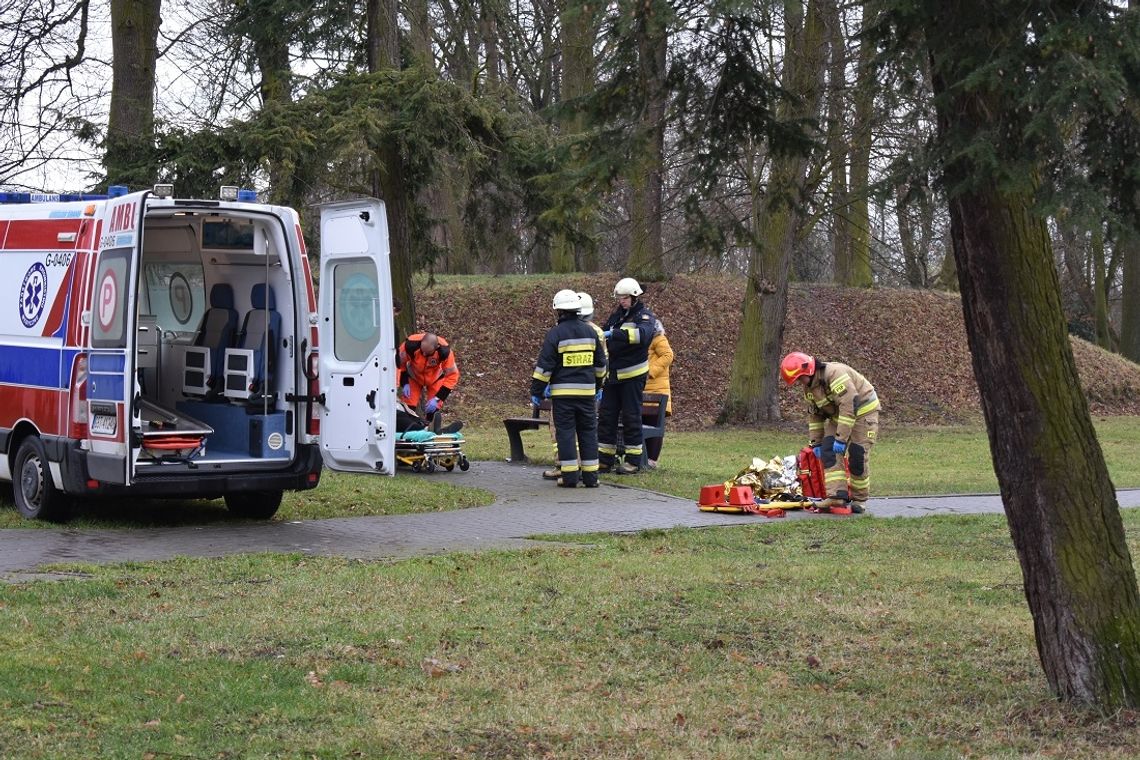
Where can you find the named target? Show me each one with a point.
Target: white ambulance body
(160, 347)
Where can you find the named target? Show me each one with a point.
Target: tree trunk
(855, 270)
(1100, 294)
(837, 136)
(1129, 243)
(1059, 500)
(130, 159)
(383, 48)
(752, 391)
(646, 256)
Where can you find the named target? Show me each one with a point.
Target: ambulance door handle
(371, 398)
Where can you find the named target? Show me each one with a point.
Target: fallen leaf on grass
(313, 679)
(679, 720)
(438, 668)
(812, 661)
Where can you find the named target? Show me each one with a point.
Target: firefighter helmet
(627, 286)
(567, 300)
(587, 307)
(796, 365)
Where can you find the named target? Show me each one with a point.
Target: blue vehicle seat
(204, 368)
(251, 365)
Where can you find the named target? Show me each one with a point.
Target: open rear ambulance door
(111, 340)
(357, 343)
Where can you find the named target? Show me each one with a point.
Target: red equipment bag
(811, 474)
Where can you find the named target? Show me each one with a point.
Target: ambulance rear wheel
(464, 465)
(35, 494)
(259, 505)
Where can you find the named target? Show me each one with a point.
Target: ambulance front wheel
(35, 494)
(260, 505)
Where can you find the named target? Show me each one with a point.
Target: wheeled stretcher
(425, 451)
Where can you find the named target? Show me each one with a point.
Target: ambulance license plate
(103, 424)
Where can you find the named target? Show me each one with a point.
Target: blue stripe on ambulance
(105, 380)
(37, 367)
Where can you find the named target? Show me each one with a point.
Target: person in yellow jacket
(843, 423)
(660, 360)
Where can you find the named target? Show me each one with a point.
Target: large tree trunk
(1129, 243)
(1059, 500)
(837, 135)
(383, 48)
(855, 269)
(130, 127)
(752, 391)
(646, 256)
(579, 27)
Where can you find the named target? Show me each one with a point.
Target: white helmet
(567, 300)
(587, 307)
(627, 286)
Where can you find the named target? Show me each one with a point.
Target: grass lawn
(857, 638)
(905, 462)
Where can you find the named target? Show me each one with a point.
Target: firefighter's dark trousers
(621, 401)
(575, 421)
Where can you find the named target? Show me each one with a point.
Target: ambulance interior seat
(205, 361)
(251, 365)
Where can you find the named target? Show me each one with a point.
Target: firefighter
(572, 363)
(427, 371)
(586, 314)
(629, 331)
(843, 423)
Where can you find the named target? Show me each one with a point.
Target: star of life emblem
(33, 295)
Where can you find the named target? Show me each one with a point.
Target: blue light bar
(247, 196)
(49, 197)
(115, 191)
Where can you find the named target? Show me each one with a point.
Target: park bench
(652, 409)
(515, 426)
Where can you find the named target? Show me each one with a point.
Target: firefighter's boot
(554, 473)
(835, 505)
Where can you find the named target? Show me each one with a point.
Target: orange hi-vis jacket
(435, 375)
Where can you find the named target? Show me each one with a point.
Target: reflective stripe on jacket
(630, 336)
(572, 360)
(438, 372)
(837, 392)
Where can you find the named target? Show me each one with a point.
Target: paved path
(525, 506)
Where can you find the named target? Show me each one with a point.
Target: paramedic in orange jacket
(426, 370)
(843, 422)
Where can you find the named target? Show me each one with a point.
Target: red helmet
(795, 365)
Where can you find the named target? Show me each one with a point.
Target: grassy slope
(910, 343)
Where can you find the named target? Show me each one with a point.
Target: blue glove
(598, 396)
(535, 401)
(432, 405)
(407, 390)
(839, 447)
(546, 393)
(817, 451)
(608, 333)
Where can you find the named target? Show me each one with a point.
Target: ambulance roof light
(164, 191)
(247, 196)
(228, 193)
(117, 191)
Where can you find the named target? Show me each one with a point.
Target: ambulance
(154, 346)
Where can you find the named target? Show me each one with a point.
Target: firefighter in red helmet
(843, 422)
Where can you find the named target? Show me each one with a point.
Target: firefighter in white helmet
(628, 331)
(572, 364)
(586, 314)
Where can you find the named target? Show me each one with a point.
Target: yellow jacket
(660, 359)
